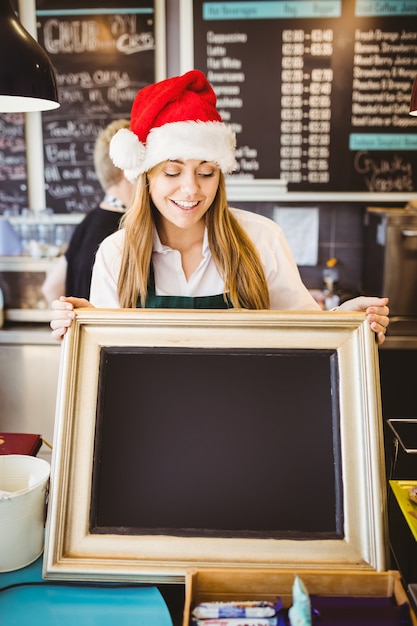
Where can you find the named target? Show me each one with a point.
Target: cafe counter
(29, 364)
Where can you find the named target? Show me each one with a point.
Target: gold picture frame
(75, 549)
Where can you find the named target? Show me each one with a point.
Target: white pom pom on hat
(127, 152)
(174, 119)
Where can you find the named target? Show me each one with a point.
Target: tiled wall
(341, 235)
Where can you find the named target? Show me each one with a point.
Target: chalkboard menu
(13, 188)
(102, 57)
(317, 92)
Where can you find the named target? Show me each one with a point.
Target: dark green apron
(182, 302)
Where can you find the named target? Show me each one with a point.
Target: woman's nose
(189, 182)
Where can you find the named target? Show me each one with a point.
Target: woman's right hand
(63, 314)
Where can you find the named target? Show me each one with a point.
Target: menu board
(317, 92)
(102, 57)
(13, 187)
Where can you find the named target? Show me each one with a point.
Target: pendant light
(413, 103)
(27, 79)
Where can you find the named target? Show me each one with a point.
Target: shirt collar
(159, 247)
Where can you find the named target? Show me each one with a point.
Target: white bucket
(23, 491)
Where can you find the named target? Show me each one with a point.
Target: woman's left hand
(376, 310)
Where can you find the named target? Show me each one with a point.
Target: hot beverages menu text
(318, 92)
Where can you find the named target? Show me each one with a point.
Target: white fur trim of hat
(209, 141)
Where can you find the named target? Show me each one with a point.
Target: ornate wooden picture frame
(189, 439)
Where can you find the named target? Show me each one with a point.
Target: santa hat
(174, 119)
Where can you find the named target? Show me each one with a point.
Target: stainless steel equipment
(390, 264)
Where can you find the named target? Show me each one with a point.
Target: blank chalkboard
(217, 442)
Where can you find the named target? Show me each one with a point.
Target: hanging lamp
(27, 78)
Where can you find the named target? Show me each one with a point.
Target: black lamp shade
(413, 103)
(27, 79)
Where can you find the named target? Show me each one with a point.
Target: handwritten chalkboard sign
(193, 437)
(318, 92)
(13, 188)
(102, 57)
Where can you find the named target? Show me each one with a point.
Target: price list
(306, 89)
(317, 92)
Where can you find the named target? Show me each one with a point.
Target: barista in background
(71, 274)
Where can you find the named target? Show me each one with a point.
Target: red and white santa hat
(174, 119)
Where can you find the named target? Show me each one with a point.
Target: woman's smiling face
(183, 191)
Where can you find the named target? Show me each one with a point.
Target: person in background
(181, 245)
(71, 274)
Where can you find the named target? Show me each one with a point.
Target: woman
(180, 245)
(72, 271)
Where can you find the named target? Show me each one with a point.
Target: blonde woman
(180, 244)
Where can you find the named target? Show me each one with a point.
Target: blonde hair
(234, 253)
(107, 173)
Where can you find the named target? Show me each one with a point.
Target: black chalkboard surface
(102, 57)
(13, 186)
(192, 442)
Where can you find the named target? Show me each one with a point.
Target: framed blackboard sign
(202, 437)
(317, 92)
(102, 57)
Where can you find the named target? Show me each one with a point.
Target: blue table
(66, 604)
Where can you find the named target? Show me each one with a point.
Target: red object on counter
(20, 443)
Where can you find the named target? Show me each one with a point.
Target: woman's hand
(376, 310)
(63, 314)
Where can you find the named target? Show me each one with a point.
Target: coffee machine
(390, 263)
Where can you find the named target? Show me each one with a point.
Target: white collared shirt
(287, 291)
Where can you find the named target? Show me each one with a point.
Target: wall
(340, 235)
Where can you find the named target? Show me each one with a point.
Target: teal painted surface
(65, 605)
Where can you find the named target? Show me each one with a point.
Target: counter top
(25, 595)
(27, 334)
(26, 263)
(400, 342)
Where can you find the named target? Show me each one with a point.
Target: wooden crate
(205, 585)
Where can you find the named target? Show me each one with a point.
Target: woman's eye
(206, 174)
(169, 173)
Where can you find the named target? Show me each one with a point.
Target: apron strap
(218, 301)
